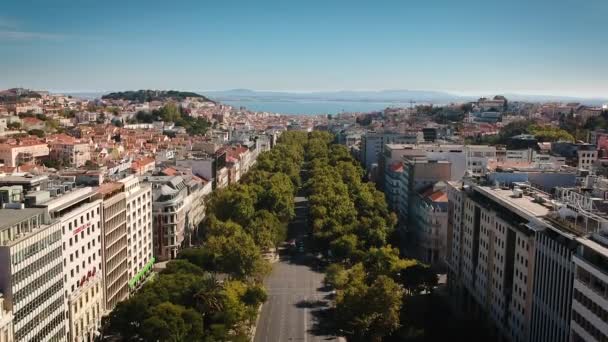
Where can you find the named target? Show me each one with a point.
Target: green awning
(141, 273)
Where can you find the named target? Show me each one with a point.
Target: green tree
(170, 112)
(37, 132)
(174, 323)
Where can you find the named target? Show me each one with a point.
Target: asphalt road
(295, 294)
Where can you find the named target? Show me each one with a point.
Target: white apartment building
(511, 263)
(6, 322)
(114, 244)
(32, 274)
(477, 157)
(140, 257)
(590, 294)
(79, 214)
(586, 158)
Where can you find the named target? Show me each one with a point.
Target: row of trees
(543, 133)
(351, 225)
(186, 301)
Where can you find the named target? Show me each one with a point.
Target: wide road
(295, 293)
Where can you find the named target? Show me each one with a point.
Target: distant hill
(153, 95)
(397, 96)
(346, 95)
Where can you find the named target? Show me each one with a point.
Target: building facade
(6, 323)
(590, 291)
(79, 215)
(114, 239)
(139, 230)
(32, 277)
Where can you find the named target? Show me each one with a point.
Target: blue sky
(534, 46)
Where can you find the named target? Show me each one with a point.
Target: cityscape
(332, 183)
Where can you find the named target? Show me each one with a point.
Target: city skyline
(469, 48)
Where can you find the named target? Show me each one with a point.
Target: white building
(139, 230)
(590, 295)
(586, 158)
(32, 274)
(79, 214)
(478, 157)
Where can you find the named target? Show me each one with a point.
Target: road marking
(305, 329)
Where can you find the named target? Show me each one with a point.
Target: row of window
(589, 328)
(37, 283)
(30, 250)
(36, 265)
(592, 306)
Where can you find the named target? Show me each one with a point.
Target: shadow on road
(322, 323)
(311, 304)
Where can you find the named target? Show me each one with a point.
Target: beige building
(13, 155)
(114, 244)
(139, 230)
(75, 154)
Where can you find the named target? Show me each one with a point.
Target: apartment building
(74, 153)
(79, 214)
(169, 194)
(513, 253)
(139, 230)
(419, 173)
(477, 157)
(429, 223)
(6, 322)
(114, 241)
(590, 291)
(13, 155)
(492, 255)
(32, 273)
(586, 157)
(372, 144)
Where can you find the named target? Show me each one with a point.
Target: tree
(266, 230)
(37, 132)
(174, 323)
(170, 112)
(418, 278)
(385, 261)
(235, 202)
(368, 312)
(236, 255)
(344, 247)
(13, 125)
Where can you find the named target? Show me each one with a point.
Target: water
(312, 106)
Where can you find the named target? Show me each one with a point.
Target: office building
(114, 243)
(79, 214)
(139, 230)
(590, 293)
(31, 280)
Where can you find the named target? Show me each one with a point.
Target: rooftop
(525, 205)
(10, 217)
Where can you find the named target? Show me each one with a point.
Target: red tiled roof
(397, 167)
(438, 196)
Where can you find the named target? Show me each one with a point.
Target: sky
(554, 47)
